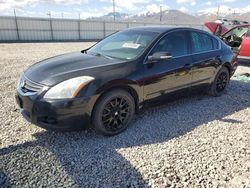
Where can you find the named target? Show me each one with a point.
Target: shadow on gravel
(91, 159)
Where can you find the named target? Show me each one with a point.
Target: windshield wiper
(85, 51)
(103, 55)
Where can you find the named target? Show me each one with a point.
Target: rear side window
(201, 42)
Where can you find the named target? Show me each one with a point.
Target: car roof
(159, 29)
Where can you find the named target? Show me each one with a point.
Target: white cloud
(229, 1)
(9, 5)
(130, 4)
(110, 9)
(191, 2)
(208, 3)
(154, 8)
(246, 9)
(186, 1)
(68, 2)
(183, 9)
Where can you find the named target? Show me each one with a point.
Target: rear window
(202, 42)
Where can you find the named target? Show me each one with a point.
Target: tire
(113, 112)
(220, 83)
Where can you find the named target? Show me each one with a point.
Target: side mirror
(159, 56)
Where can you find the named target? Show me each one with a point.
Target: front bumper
(64, 115)
(244, 61)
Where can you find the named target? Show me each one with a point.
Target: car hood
(59, 68)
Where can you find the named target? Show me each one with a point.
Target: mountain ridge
(172, 16)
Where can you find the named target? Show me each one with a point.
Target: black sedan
(106, 84)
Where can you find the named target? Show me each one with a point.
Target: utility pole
(49, 14)
(17, 30)
(79, 26)
(114, 9)
(218, 11)
(160, 14)
(50, 22)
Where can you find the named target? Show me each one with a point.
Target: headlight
(68, 89)
(19, 81)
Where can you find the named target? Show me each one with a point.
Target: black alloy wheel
(113, 112)
(220, 83)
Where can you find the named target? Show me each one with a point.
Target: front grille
(30, 86)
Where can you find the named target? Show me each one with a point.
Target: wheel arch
(130, 89)
(229, 67)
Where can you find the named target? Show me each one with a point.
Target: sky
(96, 8)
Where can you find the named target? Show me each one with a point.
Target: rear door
(206, 57)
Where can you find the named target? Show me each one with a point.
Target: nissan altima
(104, 86)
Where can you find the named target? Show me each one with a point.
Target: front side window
(201, 42)
(124, 45)
(175, 43)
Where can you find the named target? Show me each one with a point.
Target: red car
(238, 38)
(244, 54)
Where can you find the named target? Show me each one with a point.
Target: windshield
(238, 31)
(248, 33)
(124, 45)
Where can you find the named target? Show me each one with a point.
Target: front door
(170, 75)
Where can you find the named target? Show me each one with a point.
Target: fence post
(51, 29)
(104, 29)
(17, 29)
(79, 29)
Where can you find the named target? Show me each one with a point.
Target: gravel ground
(199, 141)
